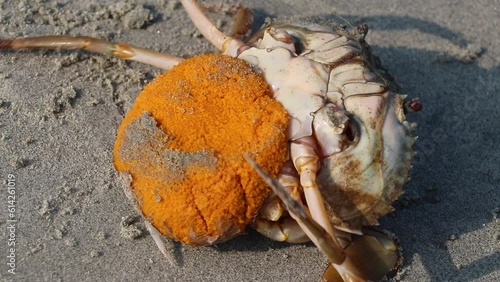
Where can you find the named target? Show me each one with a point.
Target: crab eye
(414, 105)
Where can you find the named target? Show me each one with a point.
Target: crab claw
(367, 257)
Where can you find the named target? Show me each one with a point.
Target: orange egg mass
(183, 144)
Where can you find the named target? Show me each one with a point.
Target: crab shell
(325, 76)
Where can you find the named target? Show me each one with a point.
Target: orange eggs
(183, 144)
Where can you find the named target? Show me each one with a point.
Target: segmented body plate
(335, 91)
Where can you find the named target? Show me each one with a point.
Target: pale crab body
(349, 145)
(325, 78)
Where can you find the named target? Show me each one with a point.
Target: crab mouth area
(335, 131)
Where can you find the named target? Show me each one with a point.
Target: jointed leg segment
(271, 221)
(120, 50)
(306, 161)
(224, 43)
(366, 257)
(324, 241)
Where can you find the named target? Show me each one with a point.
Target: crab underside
(349, 144)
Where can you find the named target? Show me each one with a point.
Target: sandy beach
(59, 112)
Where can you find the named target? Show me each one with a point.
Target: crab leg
(224, 43)
(285, 230)
(271, 221)
(272, 209)
(368, 257)
(120, 50)
(321, 238)
(157, 238)
(305, 159)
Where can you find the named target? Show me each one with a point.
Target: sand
(59, 112)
